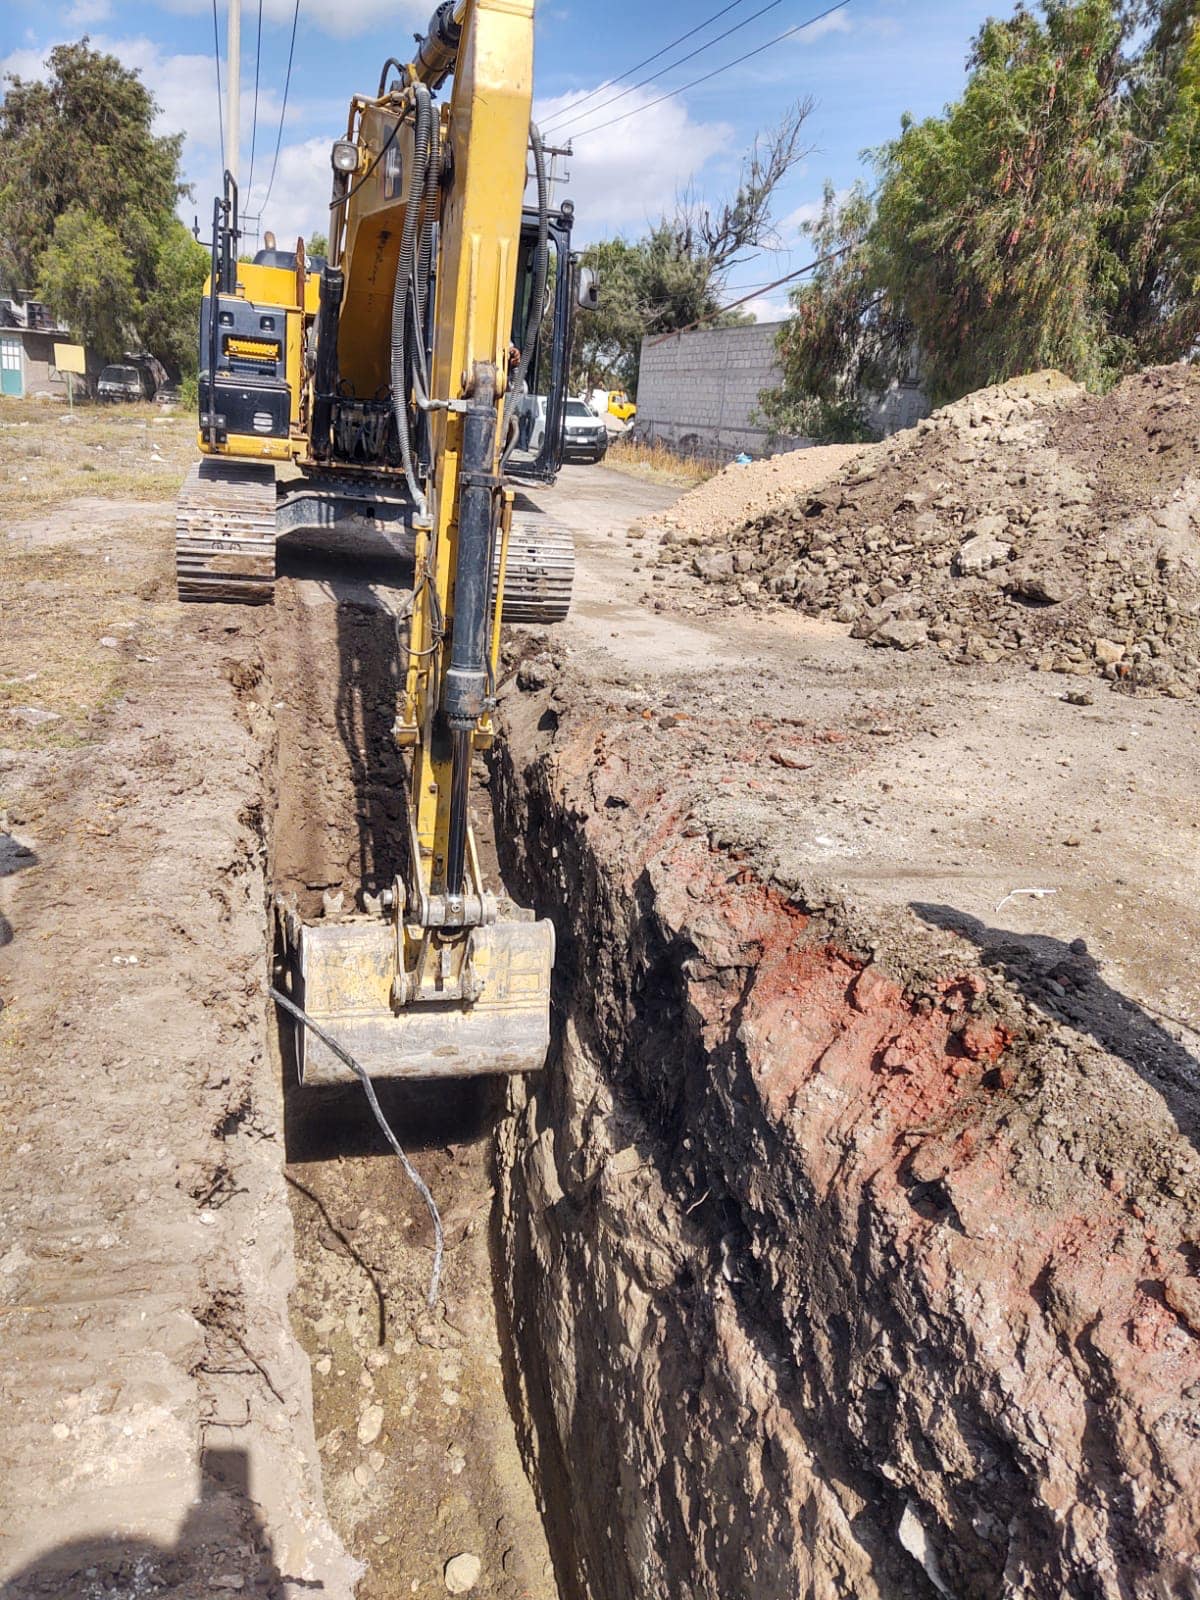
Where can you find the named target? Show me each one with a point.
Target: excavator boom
(391, 376)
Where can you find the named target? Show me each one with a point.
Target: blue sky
(863, 66)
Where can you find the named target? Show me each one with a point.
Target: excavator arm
(419, 296)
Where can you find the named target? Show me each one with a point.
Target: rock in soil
(462, 1573)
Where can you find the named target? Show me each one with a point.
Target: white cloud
(27, 64)
(183, 85)
(791, 227)
(768, 308)
(86, 12)
(342, 18)
(839, 22)
(627, 175)
(299, 203)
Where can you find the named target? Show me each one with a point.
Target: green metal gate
(10, 367)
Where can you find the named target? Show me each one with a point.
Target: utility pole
(234, 69)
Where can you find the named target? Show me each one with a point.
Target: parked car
(585, 435)
(122, 383)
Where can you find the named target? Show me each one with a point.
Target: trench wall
(816, 1283)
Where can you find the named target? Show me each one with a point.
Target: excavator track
(539, 573)
(225, 533)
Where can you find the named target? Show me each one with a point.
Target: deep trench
(695, 1339)
(439, 1473)
(529, 1468)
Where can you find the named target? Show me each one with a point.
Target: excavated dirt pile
(1033, 521)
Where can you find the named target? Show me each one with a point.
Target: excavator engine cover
(345, 972)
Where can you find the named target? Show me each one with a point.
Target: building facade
(28, 334)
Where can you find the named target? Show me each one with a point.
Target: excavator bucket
(343, 972)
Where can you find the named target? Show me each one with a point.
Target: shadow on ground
(1063, 981)
(222, 1548)
(14, 857)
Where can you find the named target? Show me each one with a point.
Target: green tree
(85, 268)
(1049, 217)
(991, 220)
(87, 205)
(318, 245)
(846, 338)
(1156, 231)
(674, 276)
(170, 315)
(607, 337)
(83, 138)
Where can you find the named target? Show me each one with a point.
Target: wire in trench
(414, 1177)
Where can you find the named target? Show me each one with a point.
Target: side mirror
(587, 293)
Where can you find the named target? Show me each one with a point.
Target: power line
(254, 117)
(717, 71)
(220, 101)
(569, 111)
(821, 261)
(682, 60)
(287, 83)
(691, 56)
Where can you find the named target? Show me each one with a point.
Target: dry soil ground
(169, 1427)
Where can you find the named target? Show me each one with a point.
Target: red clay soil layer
(834, 1267)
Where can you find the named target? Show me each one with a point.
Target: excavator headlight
(345, 156)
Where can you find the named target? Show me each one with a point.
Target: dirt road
(943, 786)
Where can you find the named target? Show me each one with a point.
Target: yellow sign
(70, 358)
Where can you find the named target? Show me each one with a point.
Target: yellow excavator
(375, 399)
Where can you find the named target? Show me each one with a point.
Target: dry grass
(85, 557)
(656, 464)
(135, 452)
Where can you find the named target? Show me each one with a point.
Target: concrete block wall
(699, 392)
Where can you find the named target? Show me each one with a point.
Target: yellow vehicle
(621, 406)
(373, 398)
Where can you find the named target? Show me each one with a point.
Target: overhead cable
(670, 67)
(287, 83)
(569, 111)
(821, 261)
(717, 71)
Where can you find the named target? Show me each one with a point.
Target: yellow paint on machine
(487, 129)
(250, 447)
(346, 970)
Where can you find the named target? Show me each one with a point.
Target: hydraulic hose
(423, 288)
(400, 366)
(383, 72)
(465, 684)
(541, 261)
